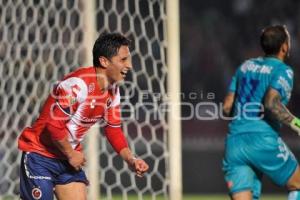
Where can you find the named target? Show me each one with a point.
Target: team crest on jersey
(36, 193)
(91, 87)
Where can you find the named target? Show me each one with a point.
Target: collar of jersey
(273, 59)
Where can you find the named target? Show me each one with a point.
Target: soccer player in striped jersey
(257, 99)
(52, 151)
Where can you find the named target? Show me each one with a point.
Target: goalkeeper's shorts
(40, 174)
(250, 155)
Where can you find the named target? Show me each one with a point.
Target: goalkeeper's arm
(228, 104)
(278, 111)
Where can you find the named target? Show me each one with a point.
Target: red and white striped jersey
(74, 105)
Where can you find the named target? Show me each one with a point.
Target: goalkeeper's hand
(139, 166)
(295, 125)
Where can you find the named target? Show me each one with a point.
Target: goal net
(42, 40)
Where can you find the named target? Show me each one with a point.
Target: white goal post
(174, 122)
(42, 40)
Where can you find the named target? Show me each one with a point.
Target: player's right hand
(139, 166)
(77, 160)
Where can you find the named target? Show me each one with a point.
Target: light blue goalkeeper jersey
(250, 84)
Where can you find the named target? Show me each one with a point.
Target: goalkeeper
(257, 98)
(52, 157)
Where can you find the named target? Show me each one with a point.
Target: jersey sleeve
(68, 95)
(113, 130)
(282, 81)
(116, 138)
(113, 112)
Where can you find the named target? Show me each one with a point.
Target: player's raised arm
(277, 110)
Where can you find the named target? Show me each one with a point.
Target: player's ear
(104, 62)
(284, 47)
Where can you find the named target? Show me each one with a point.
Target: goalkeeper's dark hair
(272, 37)
(108, 45)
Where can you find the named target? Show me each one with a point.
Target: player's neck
(102, 79)
(278, 56)
(282, 53)
(281, 57)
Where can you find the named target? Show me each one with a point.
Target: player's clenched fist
(76, 159)
(139, 166)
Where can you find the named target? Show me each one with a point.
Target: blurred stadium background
(40, 41)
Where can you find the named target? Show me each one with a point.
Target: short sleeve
(232, 86)
(282, 81)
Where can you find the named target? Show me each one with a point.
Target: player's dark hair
(108, 45)
(272, 37)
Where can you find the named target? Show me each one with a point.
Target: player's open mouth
(123, 73)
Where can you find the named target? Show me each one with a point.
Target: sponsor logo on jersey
(252, 67)
(81, 119)
(36, 193)
(290, 73)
